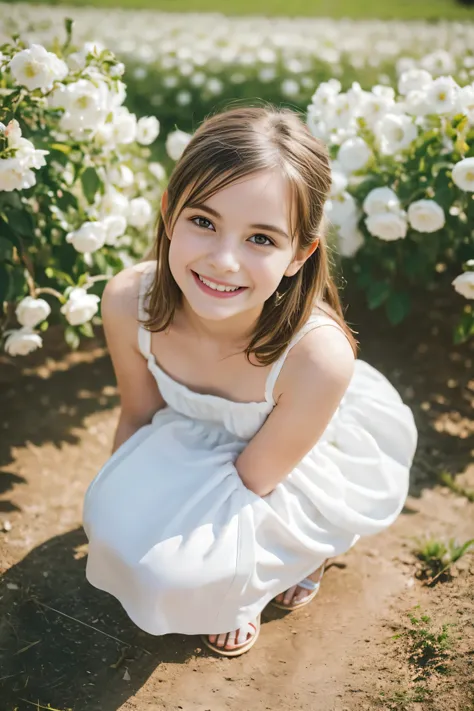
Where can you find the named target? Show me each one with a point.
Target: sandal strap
(308, 584)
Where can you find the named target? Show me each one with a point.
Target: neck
(233, 332)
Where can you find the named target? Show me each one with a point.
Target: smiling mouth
(220, 288)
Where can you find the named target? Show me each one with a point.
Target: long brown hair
(226, 147)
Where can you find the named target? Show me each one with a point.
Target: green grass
(400, 9)
(438, 556)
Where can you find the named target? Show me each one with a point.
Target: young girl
(251, 446)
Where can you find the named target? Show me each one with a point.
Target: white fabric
(186, 548)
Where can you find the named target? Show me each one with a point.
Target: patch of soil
(67, 645)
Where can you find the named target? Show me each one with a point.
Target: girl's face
(240, 237)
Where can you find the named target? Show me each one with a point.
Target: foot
(231, 640)
(296, 595)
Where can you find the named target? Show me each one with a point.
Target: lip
(215, 293)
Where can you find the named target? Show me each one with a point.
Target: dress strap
(314, 322)
(144, 336)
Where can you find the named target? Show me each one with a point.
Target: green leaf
(397, 307)
(4, 283)
(6, 249)
(86, 329)
(71, 337)
(465, 328)
(377, 293)
(22, 222)
(62, 147)
(57, 274)
(91, 183)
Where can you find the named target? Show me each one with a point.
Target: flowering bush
(178, 67)
(402, 200)
(76, 187)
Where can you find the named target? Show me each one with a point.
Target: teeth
(217, 287)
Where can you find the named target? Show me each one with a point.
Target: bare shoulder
(120, 297)
(323, 357)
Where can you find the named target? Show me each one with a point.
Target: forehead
(257, 196)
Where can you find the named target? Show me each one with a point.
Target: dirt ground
(65, 645)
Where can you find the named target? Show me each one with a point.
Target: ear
(300, 258)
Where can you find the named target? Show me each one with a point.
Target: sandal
(238, 649)
(307, 584)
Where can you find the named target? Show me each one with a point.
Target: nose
(224, 258)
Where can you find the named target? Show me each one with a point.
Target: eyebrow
(259, 226)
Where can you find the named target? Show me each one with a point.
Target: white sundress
(180, 541)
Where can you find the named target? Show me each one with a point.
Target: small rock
(410, 583)
(13, 586)
(126, 676)
(7, 526)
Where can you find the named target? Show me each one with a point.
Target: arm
(140, 397)
(318, 371)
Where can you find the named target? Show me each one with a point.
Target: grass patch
(402, 9)
(448, 480)
(428, 647)
(437, 556)
(401, 699)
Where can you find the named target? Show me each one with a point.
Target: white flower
(148, 128)
(124, 126)
(290, 87)
(80, 306)
(140, 213)
(395, 132)
(36, 68)
(464, 285)
(26, 157)
(416, 103)
(214, 86)
(387, 226)
(465, 102)
(325, 93)
(381, 200)
(77, 60)
(112, 203)
(86, 104)
(350, 239)
(439, 62)
(176, 142)
(463, 174)
(157, 170)
(354, 154)
(14, 176)
(30, 311)
(121, 176)
(115, 226)
(441, 95)
(426, 216)
(414, 80)
(341, 208)
(22, 341)
(89, 237)
(197, 79)
(183, 98)
(339, 182)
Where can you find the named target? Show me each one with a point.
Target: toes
(289, 595)
(301, 595)
(212, 638)
(221, 640)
